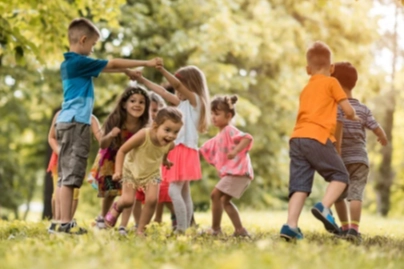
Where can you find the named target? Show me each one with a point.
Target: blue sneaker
(325, 216)
(290, 233)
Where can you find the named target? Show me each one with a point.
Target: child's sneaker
(122, 231)
(353, 236)
(100, 223)
(52, 228)
(69, 228)
(325, 216)
(291, 233)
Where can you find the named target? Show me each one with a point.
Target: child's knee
(152, 201)
(215, 195)
(127, 201)
(225, 199)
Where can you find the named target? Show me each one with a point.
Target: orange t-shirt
(317, 115)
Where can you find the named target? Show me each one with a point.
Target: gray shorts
(358, 176)
(74, 141)
(308, 156)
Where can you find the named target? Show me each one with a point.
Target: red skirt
(186, 165)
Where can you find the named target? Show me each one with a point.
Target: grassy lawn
(27, 245)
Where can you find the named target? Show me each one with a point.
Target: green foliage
(27, 245)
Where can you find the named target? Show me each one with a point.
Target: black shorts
(308, 156)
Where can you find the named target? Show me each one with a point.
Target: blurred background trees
(254, 49)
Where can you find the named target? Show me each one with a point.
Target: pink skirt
(187, 165)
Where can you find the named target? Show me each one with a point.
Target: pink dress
(215, 152)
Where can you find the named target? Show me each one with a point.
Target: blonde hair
(318, 56)
(195, 81)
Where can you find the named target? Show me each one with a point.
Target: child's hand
(383, 141)
(167, 164)
(155, 62)
(114, 132)
(117, 176)
(134, 74)
(231, 155)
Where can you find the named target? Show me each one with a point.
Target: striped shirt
(353, 147)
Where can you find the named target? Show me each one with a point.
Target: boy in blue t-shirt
(73, 122)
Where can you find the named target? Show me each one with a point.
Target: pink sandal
(109, 219)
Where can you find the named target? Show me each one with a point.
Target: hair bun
(233, 99)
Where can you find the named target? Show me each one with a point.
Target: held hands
(114, 132)
(117, 176)
(156, 62)
(134, 74)
(167, 164)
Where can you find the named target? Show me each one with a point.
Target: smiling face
(220, 118)
(167, 132)
(135, 105)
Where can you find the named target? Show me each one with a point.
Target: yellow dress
(142, 164)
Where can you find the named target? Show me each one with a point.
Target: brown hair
(79, 27)
(168, 113)
(346, 74)
(194, 79)
(318, 56)
(154, 97)
(118, 115)
(224, 103)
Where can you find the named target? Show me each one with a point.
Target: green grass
(27, 245)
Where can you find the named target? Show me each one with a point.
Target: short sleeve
(340, 114)
(337, 92)
(236, 136)
(89, 67)
(371, 122)
(208, 151)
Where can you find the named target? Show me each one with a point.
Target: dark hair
(318, 56)
(118, 115)
(346, 74)
(224, 103)
(168, 113)
(79, 27)
(154, 97)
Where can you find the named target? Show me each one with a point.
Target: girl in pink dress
(228, 152)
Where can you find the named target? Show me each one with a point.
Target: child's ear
(332, 69)
(308, 70)
(83, 39)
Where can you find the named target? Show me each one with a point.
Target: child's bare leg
(355, 210)
(126, 216)
(217, 209)
(75, 204)
(57, 204)
(296, 203)
(342, 211)
(159, 213)
(66, 199)
(152, 193)
(125, 201)
(232, 212)
(170, 207)
(333, 192)
(137, 211)
(106, 204)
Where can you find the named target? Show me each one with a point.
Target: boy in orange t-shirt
(311, 144)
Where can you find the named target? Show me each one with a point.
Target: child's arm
(166, 162)
(172, 98)
(53, 143)
(348, 110)
(381, 135)
(244, 142)
(338, 136)
(96, 128)
(121, 65)
(178, 86)
(135, 141)
(106, 140)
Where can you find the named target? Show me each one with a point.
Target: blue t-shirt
(77, 73)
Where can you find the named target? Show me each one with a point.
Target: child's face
(87, 44)
(135, 105)
(220, 118)
(154, 108)
(168, 132)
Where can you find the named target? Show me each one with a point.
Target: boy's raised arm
(120, 65)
